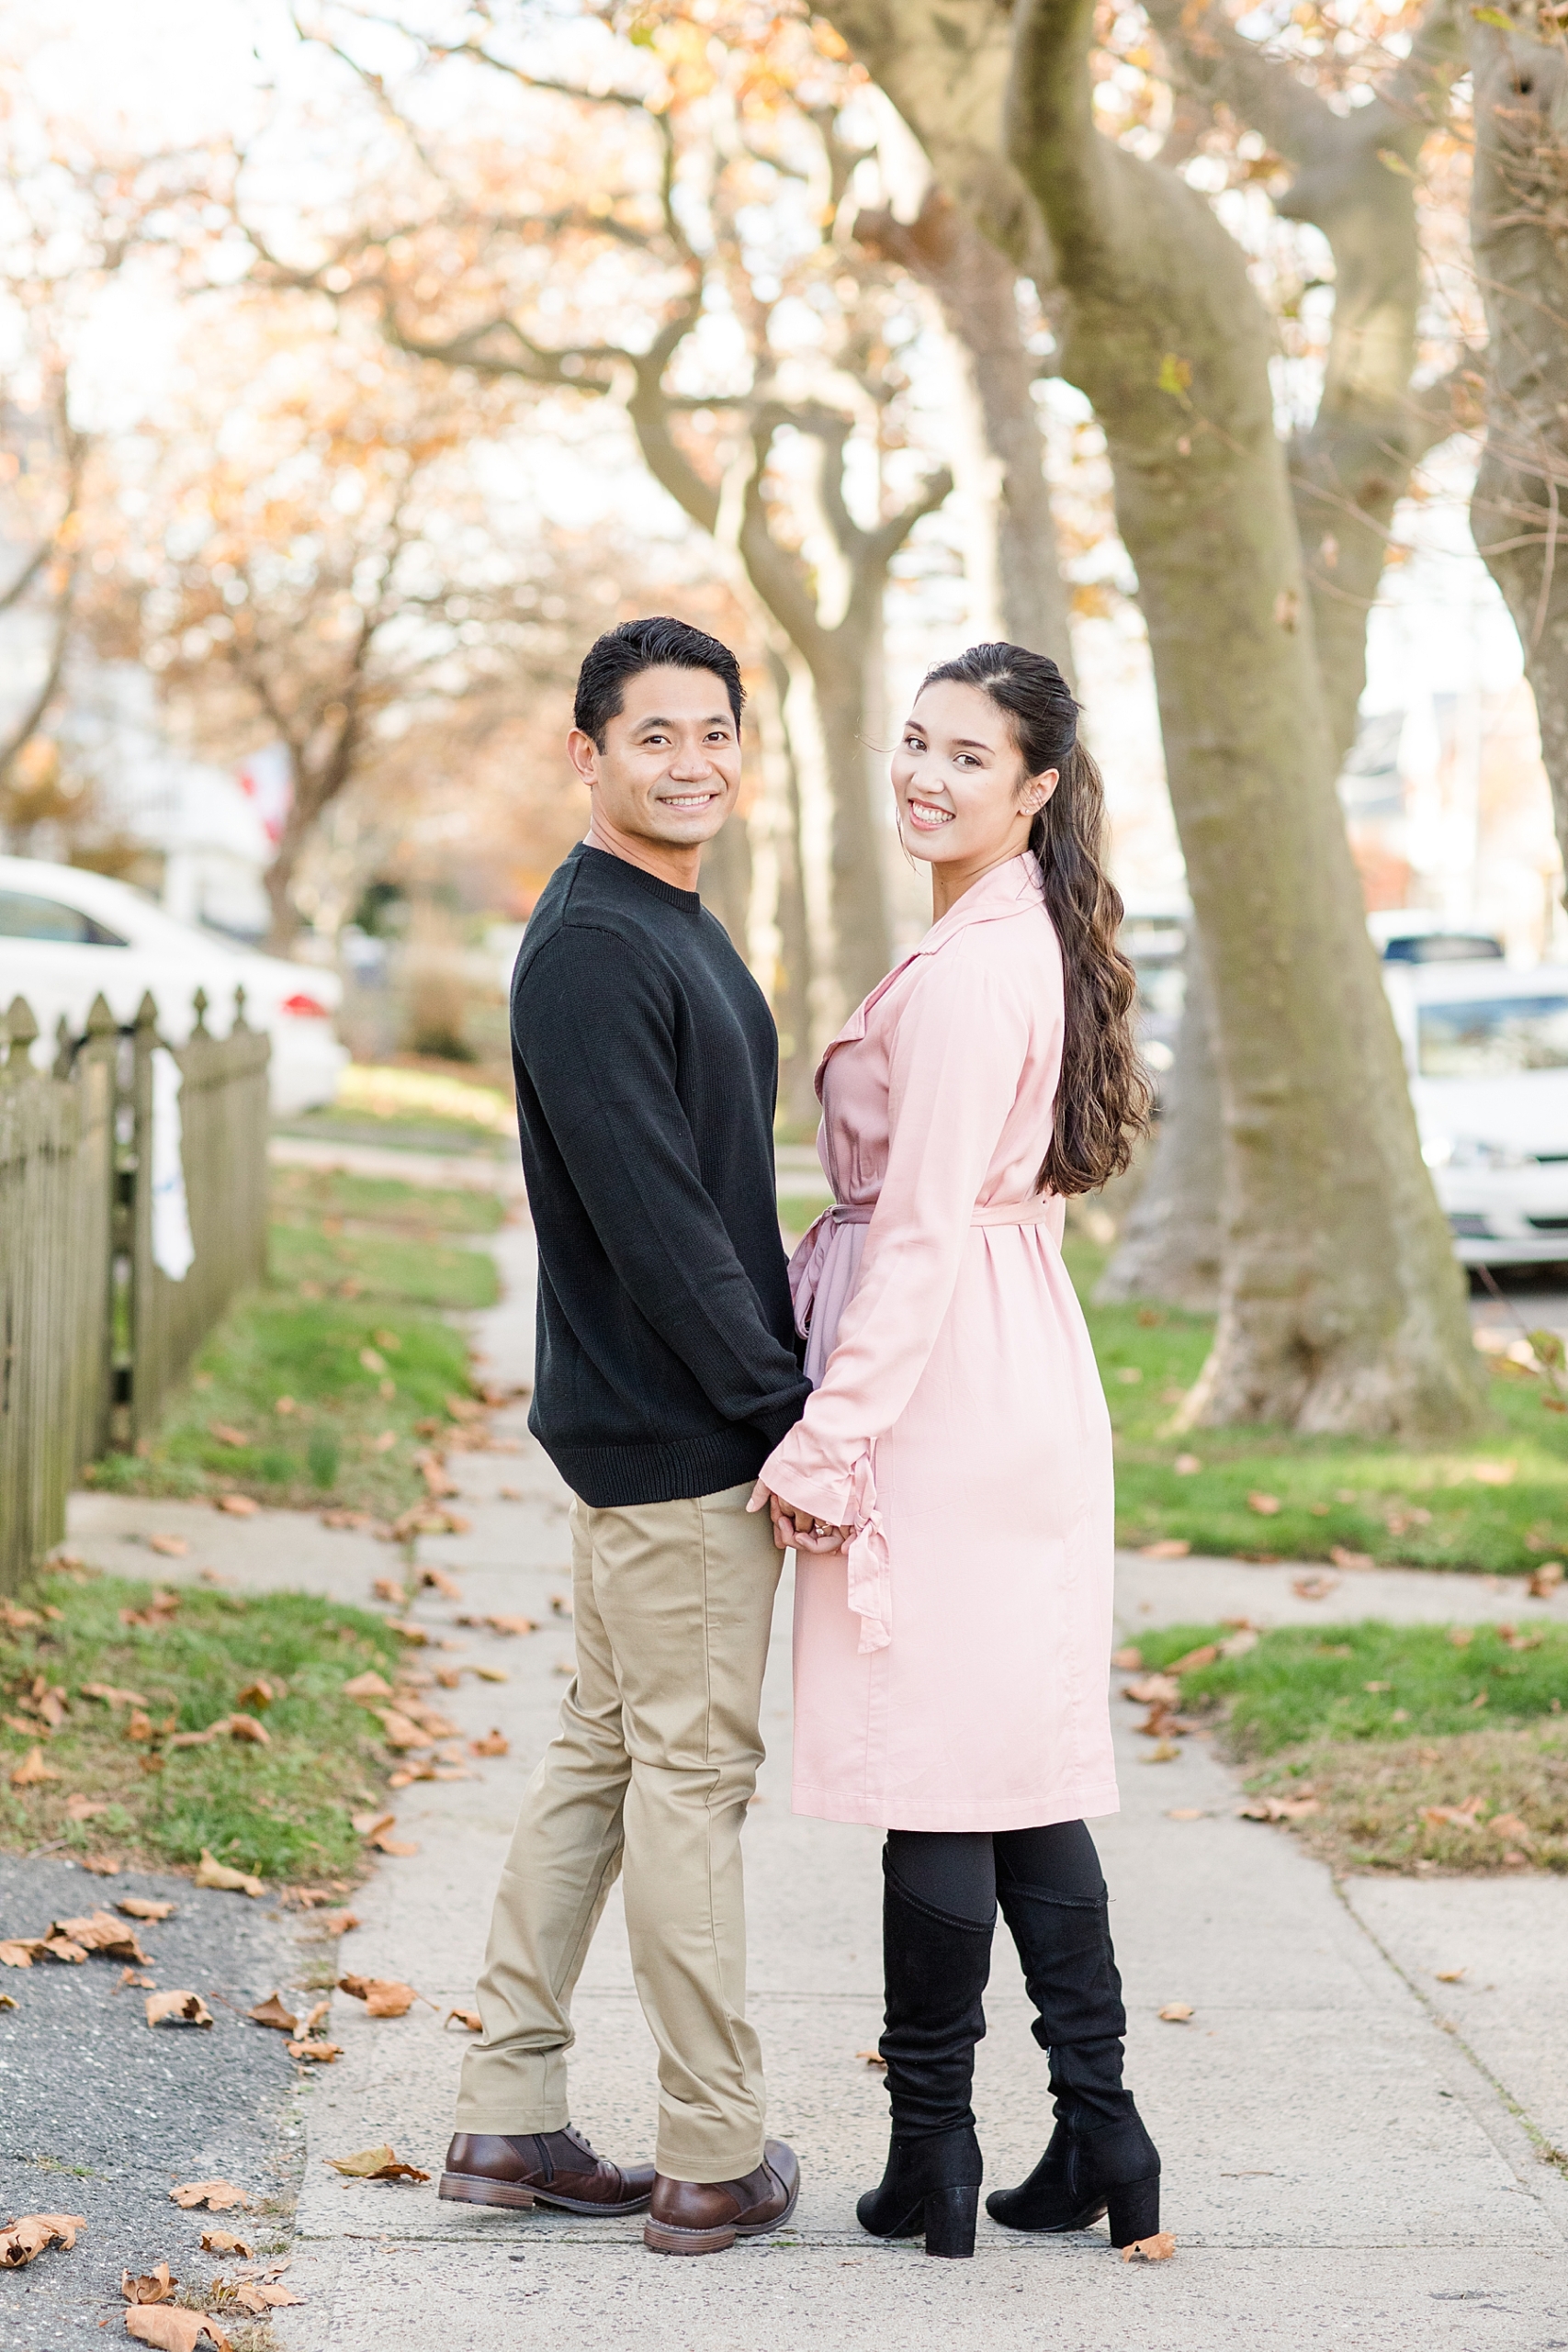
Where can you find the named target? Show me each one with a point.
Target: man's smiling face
(669, 769)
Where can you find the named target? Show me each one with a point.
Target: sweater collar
(611, 872)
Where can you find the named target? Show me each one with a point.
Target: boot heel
(950, 2222)
(1133, 2211)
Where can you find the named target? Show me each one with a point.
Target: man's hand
(796, 1529)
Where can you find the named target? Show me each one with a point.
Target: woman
(948, 1493)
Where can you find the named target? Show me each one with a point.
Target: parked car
(67, 936)
(1486, 1049)
(1410, 936)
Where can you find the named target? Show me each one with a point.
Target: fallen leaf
(1164, 1751)
(1170, 1547)
(1266, 1506)
(218, 1874)
(24, 2239)
(384, 1996)
(495, 1743)
(113, 1696)
(225, 2242)
(1237, 1645)
(510, 1625)
(1462, 1636)
(872, 2057)
(177, 2008)
(385, 1843)
(375, 2164)
(1280, 1808)
(561, 1604)
(321, 2054)
(227, 1434)
(101, 1865)
(339, 1923)
(1127, 1660)
(367, 1686)
(16, 1621)
(83, 1808)
(100, 1932)
(1450, 1975)
(171, 2328)
(7, 2001)
(1184, 1812)
(1509, 1824)
(370, 1825)
(1153, 1690)
(399, 1732)
(271, 2012)
(153, 2287)
(439, 1581)
(1342, 1558)
(470, 2020)
(1492, 1473)
(259, 1693)
(1313, 1588)
(490, 1673)
(33, 1769)
(238, 1506)
(173, 1547)
(139, 1725)
(1159, 2248)
(141, 1906)
(20, 1951)
(1187, 1465)
(139, 1977)
(218, 2196)
(1178, 2012)
(1546, 1580)
(389, 1588)
(259, 2295)
(1193, 1660)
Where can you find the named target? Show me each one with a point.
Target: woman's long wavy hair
(1103, 1096)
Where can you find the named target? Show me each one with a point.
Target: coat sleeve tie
(869, 1561)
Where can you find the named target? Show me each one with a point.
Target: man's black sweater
(647, 1066)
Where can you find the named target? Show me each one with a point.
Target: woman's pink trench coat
(951, 1669)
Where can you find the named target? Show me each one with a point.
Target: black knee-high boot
(1101, 2159)
(935, 1967)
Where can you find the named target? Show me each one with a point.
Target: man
(645, 1062)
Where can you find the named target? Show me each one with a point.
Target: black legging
(958, 1871)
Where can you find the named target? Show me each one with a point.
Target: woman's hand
(796, 1529)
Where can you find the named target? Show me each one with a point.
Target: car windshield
(1493, 1037)
(24, 916)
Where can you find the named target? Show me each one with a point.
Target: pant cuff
(511, 2122)
(708, 2163)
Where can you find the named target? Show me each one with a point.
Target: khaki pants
(650, 1774)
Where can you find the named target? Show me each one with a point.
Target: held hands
(798, 1531)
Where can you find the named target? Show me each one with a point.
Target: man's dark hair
(660, 643)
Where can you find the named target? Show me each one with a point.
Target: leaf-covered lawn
(1498, 1502)
(1384, 1746)
(280, 1808)
(312, 1390)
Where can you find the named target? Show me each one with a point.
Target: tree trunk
(1341, 1306)
(857, 897)
(793, 977)
(725, 882)
(1520, 236)
(1172, 1246)
(977, 289)
(1348, 469)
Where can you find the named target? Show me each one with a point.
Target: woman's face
(959, 781)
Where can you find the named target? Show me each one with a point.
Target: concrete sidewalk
(1346, 2159)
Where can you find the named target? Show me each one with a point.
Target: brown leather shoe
(542, 2169)
(704, 2217)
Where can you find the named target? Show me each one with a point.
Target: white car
(1486, 1049)
(67, 936)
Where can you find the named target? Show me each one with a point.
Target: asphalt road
(101, 2115)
